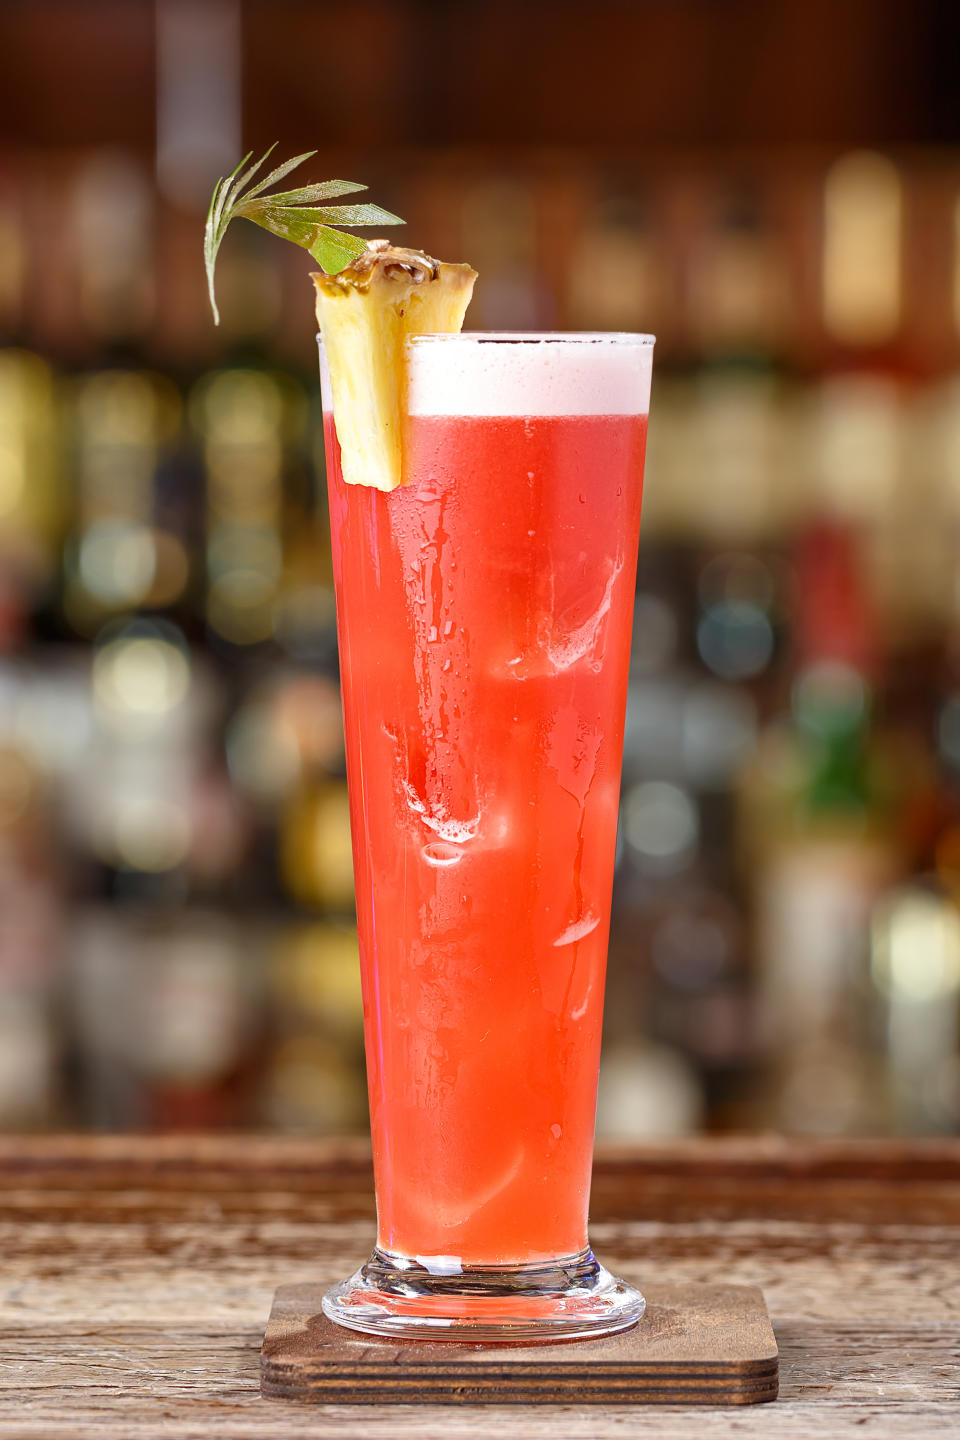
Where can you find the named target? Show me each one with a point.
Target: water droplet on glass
(441, 854)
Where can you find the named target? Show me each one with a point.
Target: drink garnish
(366, 312)
(370, 298)
(291, 214)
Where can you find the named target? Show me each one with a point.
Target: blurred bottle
(33, 497)
(499, 220)
(306, 620)
(820, 850)
(316, 859)
(148, 801)
(247, 418)
(128, 551)
(289, 726)
(862, 269)
(616, 268)
(915, 964)
(647, 1090)
(314, 1076)
(13, 257)
(113, 224)
(166, 1016)
(739, 294)
(30, 934)
(739, 313)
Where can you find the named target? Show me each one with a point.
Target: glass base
(571, 1299)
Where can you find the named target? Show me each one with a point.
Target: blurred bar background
(771, 188)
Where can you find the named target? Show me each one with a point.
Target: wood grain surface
(137, 1274)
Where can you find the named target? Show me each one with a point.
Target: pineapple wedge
(365, 313)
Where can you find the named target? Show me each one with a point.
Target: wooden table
(136, 1277)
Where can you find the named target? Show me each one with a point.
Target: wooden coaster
(696, 1345)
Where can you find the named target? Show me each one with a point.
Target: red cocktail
(484, 613)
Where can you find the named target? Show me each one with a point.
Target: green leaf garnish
(291, 214)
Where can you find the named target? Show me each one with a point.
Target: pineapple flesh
(366, 312)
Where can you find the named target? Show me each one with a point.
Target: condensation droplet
(578, 930)
(441, 854)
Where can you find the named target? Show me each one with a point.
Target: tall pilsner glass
(484, 612)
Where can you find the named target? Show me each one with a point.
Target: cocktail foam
(499, 374)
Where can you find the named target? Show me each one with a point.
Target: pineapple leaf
(281, 172)
(248, 174)
(347, 215)
(288, 214)
(332, 249)
(275, 217)
(223, 188)
(306, 194)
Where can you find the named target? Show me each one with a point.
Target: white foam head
(504, 374)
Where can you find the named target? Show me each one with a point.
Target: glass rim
(540, 337)
(533, 337)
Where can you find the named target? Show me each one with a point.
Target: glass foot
(563, 1300)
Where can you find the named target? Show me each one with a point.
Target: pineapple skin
(366, 313)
